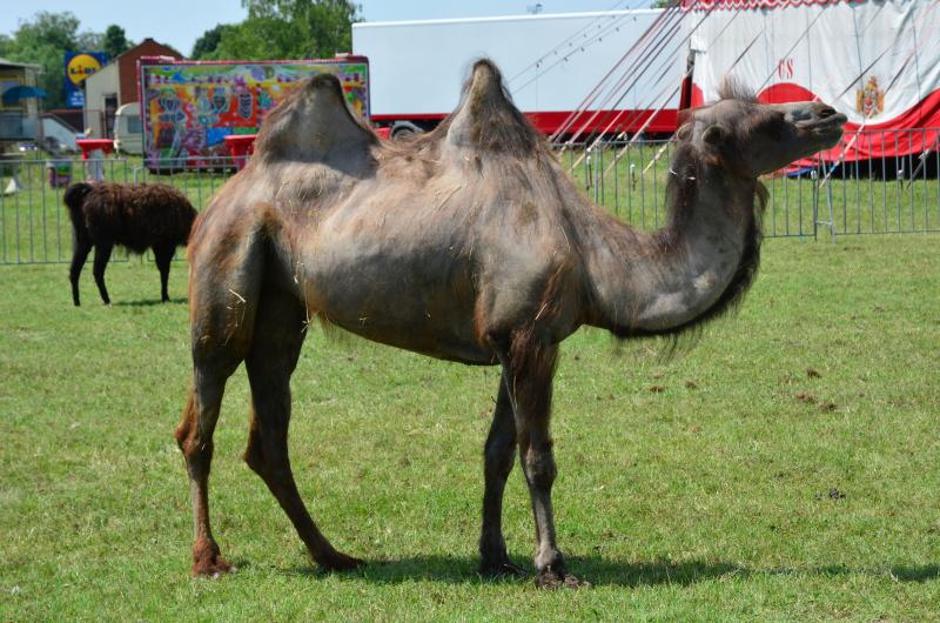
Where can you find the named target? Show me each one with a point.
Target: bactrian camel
(470, 244)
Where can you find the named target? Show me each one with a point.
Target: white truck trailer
(550, 63)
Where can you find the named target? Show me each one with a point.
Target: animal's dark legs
(279, 332)
(102, 255)
(163, 256)
(194, 436)
(499, 454)
(529, 367)
(81, 247)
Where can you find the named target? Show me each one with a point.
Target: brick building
(115, 84)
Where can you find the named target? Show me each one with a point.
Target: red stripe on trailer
(547, 122)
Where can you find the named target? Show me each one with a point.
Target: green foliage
(274, 29)
(783, 469)
(89, 41)
(288, 29)
(5, 44)
(206, 45)
(58, 30)
(43, 40)
(115, 41)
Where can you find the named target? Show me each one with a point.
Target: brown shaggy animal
(135, 216)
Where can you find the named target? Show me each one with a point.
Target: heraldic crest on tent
(870, 100)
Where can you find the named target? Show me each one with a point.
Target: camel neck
(691, 270)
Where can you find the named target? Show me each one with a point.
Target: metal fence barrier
(885, 195)
(34, 223)
(877, 196)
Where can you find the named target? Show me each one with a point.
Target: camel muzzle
(821, 121)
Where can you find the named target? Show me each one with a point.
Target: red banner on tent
(707, 5)
(877, 62)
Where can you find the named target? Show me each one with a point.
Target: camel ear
(684, 131)
(715, 134)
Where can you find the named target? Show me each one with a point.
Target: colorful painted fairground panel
(189, 108)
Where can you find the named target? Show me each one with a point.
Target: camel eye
(775, 126)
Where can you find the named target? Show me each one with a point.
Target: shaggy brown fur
(135, 216)
(687, 167)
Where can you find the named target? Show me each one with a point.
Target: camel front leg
(530, 367)
(498, 455)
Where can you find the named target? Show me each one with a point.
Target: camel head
(751, 139)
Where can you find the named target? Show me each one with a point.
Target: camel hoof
(501, 569)
(213, 566)
(550, 579)
(208, 561)
(340, 562)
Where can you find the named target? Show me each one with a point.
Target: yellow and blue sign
(78, 66)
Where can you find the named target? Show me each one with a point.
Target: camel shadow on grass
(181, 300)
(607, 572)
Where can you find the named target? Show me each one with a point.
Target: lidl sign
(78, 66)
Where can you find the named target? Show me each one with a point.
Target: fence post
(587, 170)
(815, 177)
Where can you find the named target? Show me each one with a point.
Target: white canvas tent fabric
(876, 61)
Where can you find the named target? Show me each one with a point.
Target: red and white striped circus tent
(878, 61)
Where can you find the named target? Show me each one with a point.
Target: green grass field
(786, 466)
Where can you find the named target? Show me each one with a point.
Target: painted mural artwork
(189, 108)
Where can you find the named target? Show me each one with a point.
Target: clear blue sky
(180, 22)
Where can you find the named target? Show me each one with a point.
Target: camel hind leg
(223, 295)
(279, 334)
(194, 436)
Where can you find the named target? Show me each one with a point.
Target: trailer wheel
(404, 130)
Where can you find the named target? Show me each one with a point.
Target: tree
(115, 41)
(206, 45)
(89, 41)
(43, 41)
(287, 29)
